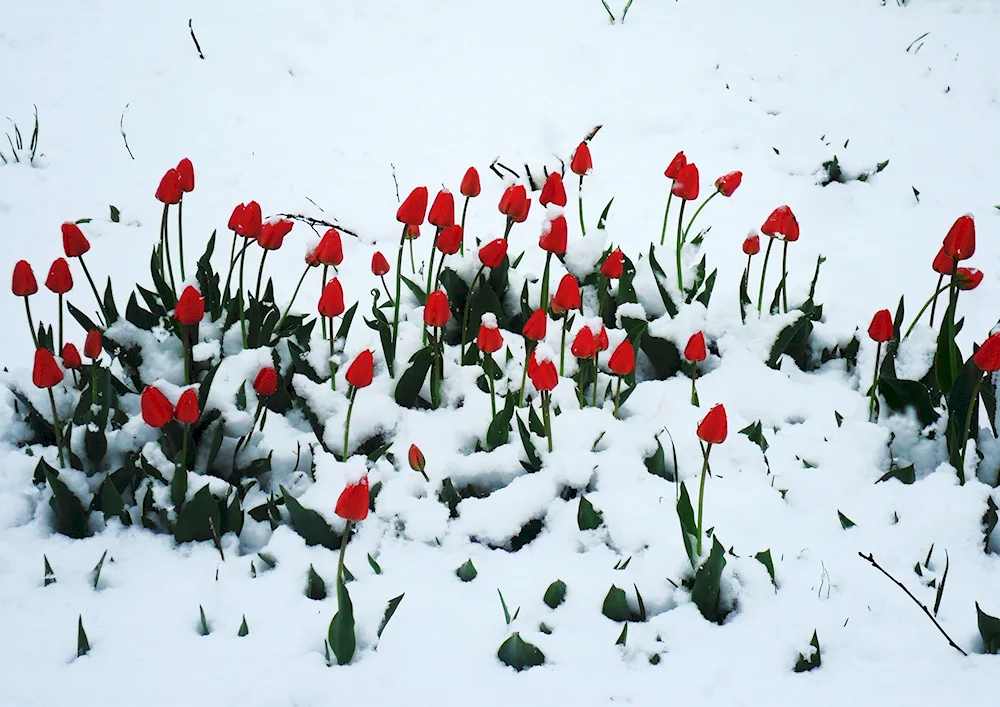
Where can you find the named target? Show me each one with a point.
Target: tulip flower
(780, 224)
(92, 346)
(489, 341)
(711, 430)
(187, 413)
(585, 349)
(410, 213)
(75, 244)
(686, 187)
(352, 506)
(331, 304)
(470, 189)
(567, 297)
(47, 374)
(156, 409)
(613, 265)
(416, 459)
(60, 281)
(725, 185)
(448, 242)
(249, 225)
(514, 204)
(880, 330)
(542, 372)
(71, 360)
(436, 315)
(621, 363)
(552, 241)
(169, 192)
(959, 244)
(189, 312)
(695, 352)
(272, 235)
(491, 255)
(553, 191)
(987, 360)
(24, 285)
(533, 332)
(442, 216)
(380, 266)
(581, 165)
(359, 375)
(672, 172)
(185, 174)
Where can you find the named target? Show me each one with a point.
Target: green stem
(413, 262)
(465, 312)
(166, 251)
(701, 496)
(385, 287)
(680, 244)
(666, 214)
(246, 438)
(243, 320)
(871, 399)
(60, 321)
(763, 275)
(698, 211)
(101, 314)
(493, 395)
(618, 395)
(333, 367)
(180, 235)
(347, 424)
(31, 322)
(340, 560)
(968, 423)
(57, 427)
(163, 242)
(529, 347)
(182, 461)
(435, 373)
(232, 262)
(506, 230)
(186, 341)
(562, 346)
(544, 302)
(322, 285)
(437, 275)
(430, 267)
(546, 416)
(694, 389)
(294, 295)
(399, 284)
(93, 383)
(929, 303)
(583, 227)
(260, 274)
(465, 207)
(593, 402)
(784, 277)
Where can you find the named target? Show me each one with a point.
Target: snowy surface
(305, 108)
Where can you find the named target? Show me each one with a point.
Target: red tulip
(713, 428)
(251, 221)
(71, 357)
(23, 283)
(687, 183)
(330, 250)
(987, 357)
(960, 243)
(695, 350)
(568, 295)
(968, 278)
(942, 263)
(727, 183)
(331, 302)
(412, 233)
(353, 502)
(59, 280)
(273, 233)
(554, 239)
(360, 372)
(442, 213)
(187, 407)
(169, 191)
(412, 210)
(674, 168)
(542, 372)
(613, 265)
(553, 191)
(581, 163)
(236, 217)
(492, 254)
(46, 372)
(185, 170)
(266, 382)
(880, 329)
(602, 339)
(470, 183)
(416, 458)
(156, 409)
(622, 361)
(436, 312)
(519, 211)
(380, 266)
(311, 259)
(489, 340)
(75, 243)
(190, 307)
(92, 346)
(513, 202)
(781, 223)
(751, 246)
(450, 239)
(584, 344)
(534, 328)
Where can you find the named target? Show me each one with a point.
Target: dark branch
(121, 126)
(196, 45)
(319, 222)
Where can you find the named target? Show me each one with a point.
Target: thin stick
(121, 127)
(876, 565)
(100, 304)
(197, 46)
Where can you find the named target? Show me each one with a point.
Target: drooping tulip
(156, 409)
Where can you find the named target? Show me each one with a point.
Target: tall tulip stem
(60, 321)
(618, 395)
(784, 277)
(871, 398)
(294, 295)
(701, 496)
(666, 215)
(465, 312)
(399, 285)
(57, 428)
(763, 275)
(698, 211)
(340, 560)
(529, 347)
(680, 246)
(101, 314)
(260, 274)
(347, 424)
(931, 302)
(180, 235)
(31, 322)
(465, 207)
(583, 226)
(546, 416)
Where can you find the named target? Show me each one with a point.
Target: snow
(280, 112)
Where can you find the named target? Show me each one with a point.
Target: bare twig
(501, 165)
(532, 184)
(395, 181)
(121, 126)
(592, 133)
(876, 565)
(197, 46)
(319, 222)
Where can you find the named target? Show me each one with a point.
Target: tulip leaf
(345, 322)
(498, 433)
(417, 290)
(604, 215)
(534, 463)
(203, 627)
(112, 504)
(315, 586)
(663, 354)
(467, 572)
(555, 594)
(656, 464)
(794, 341)
(208, 281)
(905, 474)
(341, 633)
(244, 629)
(707, 582)
(82, 644)
(755, 433)
(178, 488)
(412, 380)
(616, 606)
(139, 317)
(764, 558)
(804, 663)
(390, 609)
(108, 305)
(70, 517)
(689, 528)
(744, 294)
(587, 517)
(82, 319)
(845, 522)
(96, 444)
(517, 653)
(309, 524)
(706, 294)
(50, 576)
(658, 277)
(962, 398)
(198, 517)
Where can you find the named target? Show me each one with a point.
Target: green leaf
(95, 444)
(707, 581)
(845, 522)
(374, 565)
(838, 417)
(467, 572)
(623, 636)
(534, 462)
(706, 294)
(111, 502)
(417, 290)
(755, 433)
(616, 606)
(70, 517)
(345, 323)
(139, 317)
(241, 398)
(498, 433)
(555, 594)
(517, 653)
(95, 574)
(657, 463)
(689, 528)
(744, 294)
(658, 277)
(82, 644)
(604, 215)
(905, 474)
(309, 524)
(449, 496)
(178, 488)
(412, 380)
(115, 214)
(50, 576)
(587, 517)
(390, 609)
(990, 518)
(244, 629)
(804, 664)
(109, 304)
(203, 628)
(315, 586)
(198, 517)
(341, 633)
(795, 333)
(765, 559)
(944, 578)
(506, 612)
(989, 630)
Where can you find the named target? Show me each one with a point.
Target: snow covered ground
(309, 108)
